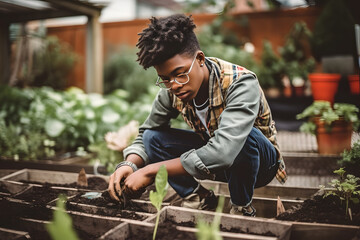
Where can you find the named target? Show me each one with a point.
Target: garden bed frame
(122, 228)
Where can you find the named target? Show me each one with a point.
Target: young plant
(211, 231)
(345, 189)
(61, 226)
(156, 198)
(351, 159)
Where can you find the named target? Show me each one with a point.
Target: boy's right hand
(114, 187)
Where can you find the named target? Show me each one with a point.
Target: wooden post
(4, 52)
(94, 56)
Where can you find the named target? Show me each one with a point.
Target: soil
(39, 195)
(94, 183)
(108, 207)
(166, 231)
(322, 210)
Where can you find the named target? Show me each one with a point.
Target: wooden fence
(269, 25)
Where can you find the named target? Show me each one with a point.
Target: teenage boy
(233, 137)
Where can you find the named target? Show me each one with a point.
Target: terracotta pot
(324, 86)
(354, 84)
(333, 140)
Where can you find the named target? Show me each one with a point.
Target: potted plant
(333, 44)
(332, 126)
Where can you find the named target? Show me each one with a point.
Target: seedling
(61, 227)
(345, 189)
(211, 231)
(156, 198)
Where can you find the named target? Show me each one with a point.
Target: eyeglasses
(181, 79)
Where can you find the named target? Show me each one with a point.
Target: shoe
(244, 211)
(194, 201)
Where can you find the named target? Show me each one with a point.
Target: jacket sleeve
(236, 121)
(159, 117)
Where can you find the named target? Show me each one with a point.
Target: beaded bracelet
(127, 163)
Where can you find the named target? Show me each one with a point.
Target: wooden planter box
(255, 228)
(130, 231)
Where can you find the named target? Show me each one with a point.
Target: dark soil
(94, 183)
(166, 231)
(108, 207)
(39, 195)
(322, 210)
(3, 189)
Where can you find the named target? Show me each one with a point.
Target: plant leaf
(61, 226)
(54, 127)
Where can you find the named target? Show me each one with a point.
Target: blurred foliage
(71, 118)
(295, 52)
(107, 157)
(271, 68)
(351, 159)
(40, 60)
(334, 32)
(61, 227)
(121, 71)
(52, 64)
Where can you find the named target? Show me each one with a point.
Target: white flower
(119, 140)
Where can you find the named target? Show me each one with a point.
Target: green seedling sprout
(345, 189)
(156, 198)
(61, 226)
(211, 231)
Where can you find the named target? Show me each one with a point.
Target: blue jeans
(255, 165)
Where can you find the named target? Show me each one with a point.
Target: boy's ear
(201, 57)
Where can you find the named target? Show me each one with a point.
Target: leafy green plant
(211, 231)
(61, 226)
(328, 114)
(344, 188)
(351, 159)
(157, 197)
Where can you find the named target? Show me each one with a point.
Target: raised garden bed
(24, 210)
(229, 223)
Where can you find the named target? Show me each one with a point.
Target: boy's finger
(111, 189)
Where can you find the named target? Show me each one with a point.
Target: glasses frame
(158, 81)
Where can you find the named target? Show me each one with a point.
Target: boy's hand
(114, 187)
(136, 183)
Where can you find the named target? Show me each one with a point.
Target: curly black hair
(166, 37)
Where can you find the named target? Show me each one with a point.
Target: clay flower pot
(324, 86)
(334, 139)
(354, 84)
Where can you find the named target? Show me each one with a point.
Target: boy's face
(178, 67)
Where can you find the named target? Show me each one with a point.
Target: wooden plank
(13, 234)
(51, 166)
(43, 176)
